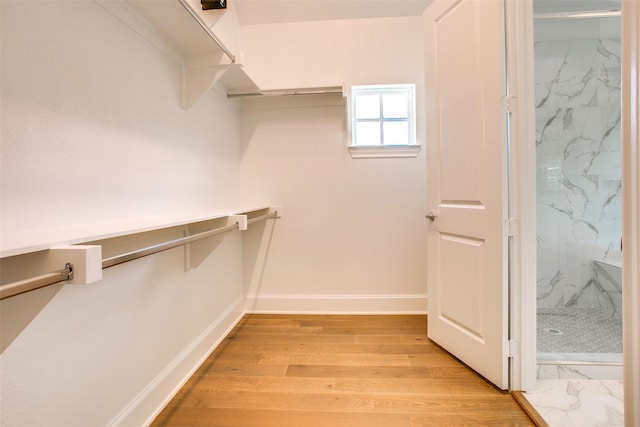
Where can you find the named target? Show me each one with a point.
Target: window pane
(367, 106)
(368, 133)
(396, 133)
(395, 106)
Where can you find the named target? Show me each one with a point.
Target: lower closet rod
(130, 256)
(26, 285)
(262, 217)
(33, 283)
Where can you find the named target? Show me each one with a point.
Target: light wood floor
(307, 371)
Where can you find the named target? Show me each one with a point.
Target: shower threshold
(604, 359)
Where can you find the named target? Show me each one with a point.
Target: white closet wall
(93, 131)
(352, 237)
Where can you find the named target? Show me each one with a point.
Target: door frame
(519, 27)
(522, 182)
(631, 208)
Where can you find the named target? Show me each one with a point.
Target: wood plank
(415, 322)
(329, 330)
(284, 330)
(440, 404)
(292, 338)
(395, 339)
(444, 372)
(241, 368)
(353, 371)
(292, 346)
(453, 387)
(262, 384)
(471, 419)
(271, 358)
(207, 417)
(434, 359)
(290, 401)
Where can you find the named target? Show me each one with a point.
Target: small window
(383, 121)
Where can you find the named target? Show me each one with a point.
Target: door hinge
(509, 103)
(512, 348)
(512, 227)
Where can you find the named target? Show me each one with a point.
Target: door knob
(431, 216)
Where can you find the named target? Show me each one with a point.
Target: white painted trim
(523, 185)
(337, 304)
(146, 406)
(631, 208)
(383, 151)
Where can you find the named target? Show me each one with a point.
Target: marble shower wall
(578, 159)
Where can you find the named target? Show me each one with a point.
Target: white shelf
(175, 27)
(175, 21)
(23, 242)
(237, 80)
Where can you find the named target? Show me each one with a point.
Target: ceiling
(253, 12)
(256, 12)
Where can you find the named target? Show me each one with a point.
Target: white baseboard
(161, 390)
(337, 304)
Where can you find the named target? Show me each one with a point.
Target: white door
(466, 152)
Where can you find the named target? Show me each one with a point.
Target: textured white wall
(92, 126)
(327, 53)
(92, 131)
(351, 227)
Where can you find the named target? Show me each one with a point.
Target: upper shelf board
(178, 22)
(175, 28)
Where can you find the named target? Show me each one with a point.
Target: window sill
(382, 151)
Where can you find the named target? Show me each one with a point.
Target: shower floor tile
(577, 330)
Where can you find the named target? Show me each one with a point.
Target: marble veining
(578, 154)
(583, 403)
(581, 369)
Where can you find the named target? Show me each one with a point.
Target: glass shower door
(578, 160)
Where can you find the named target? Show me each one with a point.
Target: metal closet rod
(262, 217)
(139, 253)
(576, 15)
(290, 92)
(33, 283)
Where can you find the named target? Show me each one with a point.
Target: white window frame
(380, 150)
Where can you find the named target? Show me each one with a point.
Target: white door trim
(519, 35)
(631, 208)
(521, 82)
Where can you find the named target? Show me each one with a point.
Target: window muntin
(383, 115)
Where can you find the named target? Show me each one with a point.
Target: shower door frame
(522, 182)
(631, 208)
(519, 17)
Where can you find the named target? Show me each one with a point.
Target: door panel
(459, 301)
(457, 75)
(466, 156)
